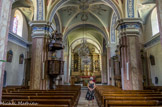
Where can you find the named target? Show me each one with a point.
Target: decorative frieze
(18, 40)
(129, 27)
(41, 28)
(110, 2)
(130, 8)
(40, 9)
(113, 23)
(152, 41)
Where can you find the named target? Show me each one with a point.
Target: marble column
(108, 65)
(40, 35)
(5, 13)
(131, 71)
(159, 13)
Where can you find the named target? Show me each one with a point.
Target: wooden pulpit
(55, 68)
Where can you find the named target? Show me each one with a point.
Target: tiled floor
(83, 102)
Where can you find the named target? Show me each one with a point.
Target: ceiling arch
(78, 42)
(87, 26)
(90, 41)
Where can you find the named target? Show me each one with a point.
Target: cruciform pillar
(129, 34)
(40, 35)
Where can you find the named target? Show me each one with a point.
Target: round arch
(95, 43)
(87, 25)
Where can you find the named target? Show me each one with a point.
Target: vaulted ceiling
(83, 11)
(73, 13)
(145, 7)
(25, 7)
(89, 12)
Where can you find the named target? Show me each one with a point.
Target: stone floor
(83, 102)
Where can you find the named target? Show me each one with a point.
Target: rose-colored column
(131, 72)
(5, 13)
(39, 59)
(108, 65)
(159, 13)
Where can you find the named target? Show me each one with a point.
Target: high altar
(85, 67)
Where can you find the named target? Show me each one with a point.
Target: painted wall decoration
(21, 59)
(39, 9)
(130, 8)
(113, 23)
(9, 56)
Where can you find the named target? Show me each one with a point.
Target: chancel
(52, 51)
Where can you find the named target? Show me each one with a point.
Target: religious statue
(21, 59)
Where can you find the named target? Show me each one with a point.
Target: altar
(86, 79)
(85, 66)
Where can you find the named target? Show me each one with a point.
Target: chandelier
(83, 50)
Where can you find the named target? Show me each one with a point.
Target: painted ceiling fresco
(85, 11)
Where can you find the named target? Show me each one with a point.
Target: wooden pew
(136, 103)
(39, 105)
(69, 94)
(131, 98)
(13, 88)
(45, 101)
(106, 94)
(156, 88)
(9, 98)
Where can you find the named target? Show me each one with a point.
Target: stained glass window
(15, 24)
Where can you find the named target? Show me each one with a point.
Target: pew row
(108, 96)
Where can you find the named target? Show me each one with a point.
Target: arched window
(154, 22)
(17, 23)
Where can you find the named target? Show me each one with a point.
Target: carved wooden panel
(55, 67)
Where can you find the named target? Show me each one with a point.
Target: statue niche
(9, 56)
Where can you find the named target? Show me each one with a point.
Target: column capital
(41, 28)
(129, 26)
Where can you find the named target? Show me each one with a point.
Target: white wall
(15, 71)
(155, 70)
(156, 51)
